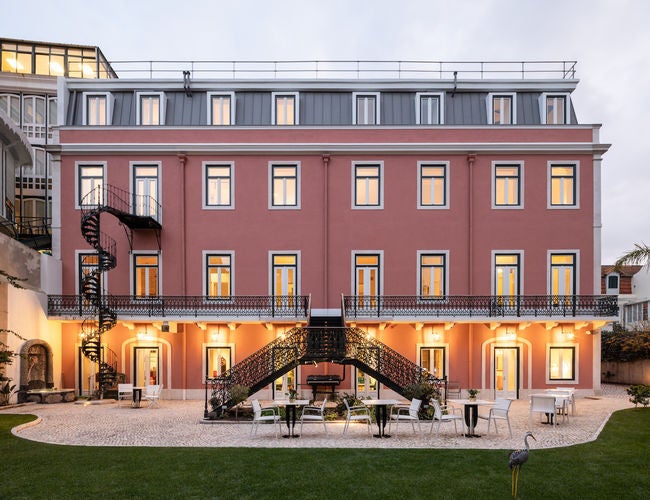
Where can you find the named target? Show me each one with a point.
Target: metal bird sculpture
(517, 459)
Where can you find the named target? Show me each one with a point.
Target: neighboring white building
(632, 285)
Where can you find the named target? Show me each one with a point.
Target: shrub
(639, 394)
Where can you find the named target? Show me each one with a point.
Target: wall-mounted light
(567, 332)
(511, 332)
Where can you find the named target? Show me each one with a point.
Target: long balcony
(258, 307)
(481, 307)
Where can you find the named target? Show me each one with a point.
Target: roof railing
(347, 69)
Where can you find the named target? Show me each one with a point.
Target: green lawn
(615, 466)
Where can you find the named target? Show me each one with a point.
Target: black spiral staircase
(115, 202)
(302, 345)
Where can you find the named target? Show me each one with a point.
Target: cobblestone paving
(179, 423)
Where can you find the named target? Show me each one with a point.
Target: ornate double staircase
(114, 201)
(302, 345)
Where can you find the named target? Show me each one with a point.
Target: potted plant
(472, 394)
(293, 394)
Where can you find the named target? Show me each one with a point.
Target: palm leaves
(639, 255)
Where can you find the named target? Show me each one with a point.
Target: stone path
(179, 423)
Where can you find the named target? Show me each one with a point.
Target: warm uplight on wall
(146, 334)
(568, 333)
(511, 332)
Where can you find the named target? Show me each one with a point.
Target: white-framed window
(502, 109)
(367, 185)
(433, 358)
(365, 108)
(284, 185)
(218, 282)
(563, 185)
(87, 263)
(34, 116)
(507, 272)
(10, 104)
(612, 284)
(433, 185)
(633, 313)
(221, 108)
(151, 108)
(429, 108)
(507, 185)
(90, 184)
(145, 187)
(562, 363)
(146, 282)
(285, 108)
(554, 109)
(218, 357)
(563, 273)
(218, 185)
(285, 273)
(97, 109)
(367, 274)
(433, 273)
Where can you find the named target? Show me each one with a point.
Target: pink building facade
(455, 222)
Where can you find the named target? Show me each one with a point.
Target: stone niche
(35, 370)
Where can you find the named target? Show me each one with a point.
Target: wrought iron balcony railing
(481, 306)
(258, 306)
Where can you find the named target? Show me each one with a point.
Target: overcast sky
(609, 39)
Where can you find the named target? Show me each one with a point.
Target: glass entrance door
(366, 385)
(146, 366)
(506, 369)
(367, 279)
(282, 385)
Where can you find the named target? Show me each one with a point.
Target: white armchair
(439, 416)
(152, 394)
(124, 391)
(544, 405)
(356, 414)
(314, 414)
(409, 413)
(265, 414)
(499, 411)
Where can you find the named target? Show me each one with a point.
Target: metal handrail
(349, 69)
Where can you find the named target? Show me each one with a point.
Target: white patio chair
(545, 406)
(152, 395)
(499, 411)
(265, 414)
(124, 391)
(440, 417)
(570, 392)
(400, 413)
(313, 414)
(356, 414)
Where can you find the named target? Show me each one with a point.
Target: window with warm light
(428, 109)
(366, 109)
(218, 275)
(146, 275)
(554, 110)
(218, 185)
(367, 182)
(16, 58)
(506, 274)
(145, 190)
(433, 272)
(150, 109)
(433, 186)
(221, 109)
(501, 109)
(563, 274)
(217, 361)
(367, 276)
(432, 359)
(506, 182)
(563, 180)
(562, 363)
(90, 184)
(285, 109)
(96, 109)
(284, 274)
(284, 185)
(87, 264)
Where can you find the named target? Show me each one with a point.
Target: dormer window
(285, 109)
(501, 109)
(365, 109)
(612, 284)
(97, 109)
(221, 109)
(554, 109)
(429, 109)
(151, 109)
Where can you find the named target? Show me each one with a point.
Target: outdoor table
(380, 413)
(137, 397)
(565, 398)
(470, 410)
(290, 413)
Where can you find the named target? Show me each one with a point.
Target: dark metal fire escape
(115, 202)
(301, 345)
